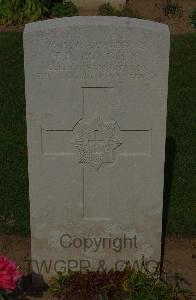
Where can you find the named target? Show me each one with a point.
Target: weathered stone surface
(96, 94)
(89, 4)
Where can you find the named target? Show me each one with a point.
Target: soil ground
(179, 256)
(152, 10)
(148, 10)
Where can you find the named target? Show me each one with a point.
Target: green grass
(181, 157)
(180, 185)
(14, 202)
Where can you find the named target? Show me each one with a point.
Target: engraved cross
(98, 145)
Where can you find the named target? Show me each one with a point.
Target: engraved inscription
(96, 141)
(75, 59)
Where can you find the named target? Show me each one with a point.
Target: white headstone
(96, 94)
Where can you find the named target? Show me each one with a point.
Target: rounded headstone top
(96, 21)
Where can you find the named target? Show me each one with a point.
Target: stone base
(94, 4)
